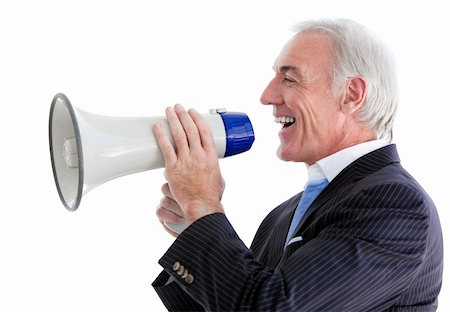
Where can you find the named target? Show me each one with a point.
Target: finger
(177, 130)
(204, 130)
(189, 126)
(165, 146)
(172, 206)
(165, 189)
(171, 221)
(168, 216)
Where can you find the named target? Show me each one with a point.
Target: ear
(355, 94)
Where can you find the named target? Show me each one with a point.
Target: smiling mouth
(286, 121)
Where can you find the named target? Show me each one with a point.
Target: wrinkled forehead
(305, 51)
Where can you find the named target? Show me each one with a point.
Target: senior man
(362, 236)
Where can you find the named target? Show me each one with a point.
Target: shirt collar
(330, 166)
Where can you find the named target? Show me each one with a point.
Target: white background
(136, 58)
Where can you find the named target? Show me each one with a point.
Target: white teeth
(284, 119)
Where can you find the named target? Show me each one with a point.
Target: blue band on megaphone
(239, 132)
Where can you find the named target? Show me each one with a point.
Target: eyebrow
(289, 68)
(284, 69)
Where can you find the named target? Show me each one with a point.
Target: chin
(289, 155)
(284, 155)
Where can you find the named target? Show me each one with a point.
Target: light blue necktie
(311, 192)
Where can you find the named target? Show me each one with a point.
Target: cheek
(324, 117)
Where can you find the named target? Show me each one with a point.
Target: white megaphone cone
(87, 149)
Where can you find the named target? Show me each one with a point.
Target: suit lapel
(281, 230)
(273, 247)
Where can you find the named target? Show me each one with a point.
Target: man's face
(301, 91)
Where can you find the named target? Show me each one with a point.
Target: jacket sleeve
(173, 296)
(363, 258)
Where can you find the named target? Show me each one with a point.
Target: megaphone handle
(177, 228)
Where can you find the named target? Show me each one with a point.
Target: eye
(288, 81)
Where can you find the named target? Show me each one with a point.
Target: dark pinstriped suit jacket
(371, 241)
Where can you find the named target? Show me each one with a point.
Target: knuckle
(159, 213)
(164, 203)
(165, 188)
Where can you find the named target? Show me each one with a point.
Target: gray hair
(359, 52)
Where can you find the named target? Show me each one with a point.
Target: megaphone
(87, 149)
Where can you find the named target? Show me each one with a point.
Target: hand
(192, 171)
(168, 211)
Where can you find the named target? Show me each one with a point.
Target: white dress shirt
(330, 166)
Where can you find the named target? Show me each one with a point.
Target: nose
(271, 94)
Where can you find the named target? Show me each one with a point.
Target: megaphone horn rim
(76, 129)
